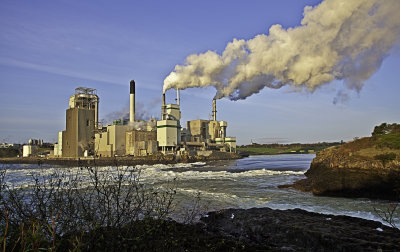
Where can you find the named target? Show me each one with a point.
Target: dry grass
(373, 151)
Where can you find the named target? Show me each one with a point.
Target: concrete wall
(79, 133)
(102, 148)
(174, 110)
(141, 143)
(58, 145)
(117, 138)
(168, 133)
(198, 130)
(111, 142)
(214, 130)
(29, 150)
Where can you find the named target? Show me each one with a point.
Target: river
(244, 183)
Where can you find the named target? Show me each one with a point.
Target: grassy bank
(296, 148)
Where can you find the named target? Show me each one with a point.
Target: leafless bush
(389, 214)
(194, 209)
(65, 202)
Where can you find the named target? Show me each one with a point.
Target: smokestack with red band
(214, 110)
(132, 103)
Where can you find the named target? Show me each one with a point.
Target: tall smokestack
(177, 96)
(163, 107)
(132, 103)
(214, 110)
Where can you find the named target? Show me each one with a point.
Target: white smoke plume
(338, 39)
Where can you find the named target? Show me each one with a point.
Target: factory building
(81, 121)
(141, 142)
(135, 138)
(110, 141)
(169, 127)
(205, 135)
(58, 145)
(84, 136)
(199, 135)
(141, 138)
(29, 150)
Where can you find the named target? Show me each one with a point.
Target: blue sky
(48, 48)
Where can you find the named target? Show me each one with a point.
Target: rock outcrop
(362, 168)
(264, 229)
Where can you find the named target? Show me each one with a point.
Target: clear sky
(48, 48)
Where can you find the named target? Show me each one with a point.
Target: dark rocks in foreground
(299, 230)
(257, 229)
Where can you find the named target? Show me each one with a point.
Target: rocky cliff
(367, 167)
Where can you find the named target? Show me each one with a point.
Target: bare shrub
(66, 202)
(193, 211)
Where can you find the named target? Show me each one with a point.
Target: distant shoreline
(117, 161)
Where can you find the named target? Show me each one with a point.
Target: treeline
(9, 152)
(294, 145)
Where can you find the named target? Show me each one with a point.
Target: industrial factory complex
(84, 136)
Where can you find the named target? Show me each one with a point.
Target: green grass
(389, 140)
(271, 149)
(260, 151)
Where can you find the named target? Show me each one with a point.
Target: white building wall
(29, 150)
(167, 133)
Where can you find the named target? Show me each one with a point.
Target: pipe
(132, 102)
(214, 110)
(96, 113)
(177, 96)
(163, 107)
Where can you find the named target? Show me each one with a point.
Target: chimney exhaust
(214, 109)
(177, 96)
(163, 107)
(132, 102)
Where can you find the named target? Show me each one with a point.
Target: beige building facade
(141, 142)
(111, 142)
(79, 134)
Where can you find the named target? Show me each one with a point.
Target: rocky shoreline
(256, 229)
(299, 230)
(125, 161)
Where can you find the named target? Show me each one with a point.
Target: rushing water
(245, 183)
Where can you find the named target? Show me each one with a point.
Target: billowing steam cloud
(338, 39)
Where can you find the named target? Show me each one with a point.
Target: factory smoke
(337, 40)
(143, 113)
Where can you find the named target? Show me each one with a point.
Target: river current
(244, 183)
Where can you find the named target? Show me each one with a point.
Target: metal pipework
(163, 107)
(96, 112)
(132, 102)
(214, 110)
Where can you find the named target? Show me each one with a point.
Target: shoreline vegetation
(276, 149)
(366, 167)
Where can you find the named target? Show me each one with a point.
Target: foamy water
(246, 183)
